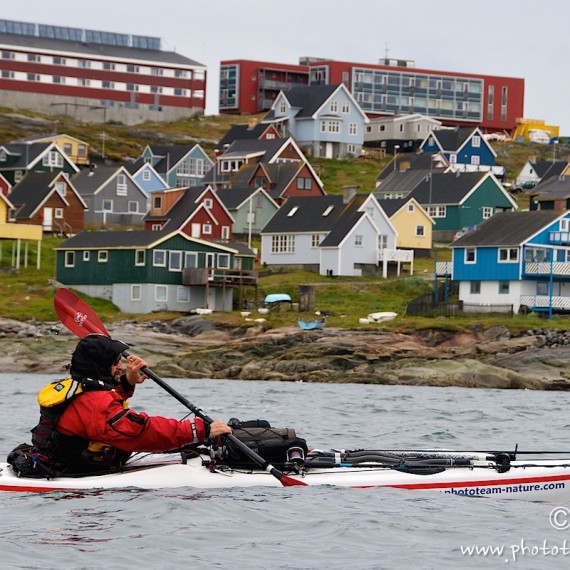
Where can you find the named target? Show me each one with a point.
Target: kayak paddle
(79, 318)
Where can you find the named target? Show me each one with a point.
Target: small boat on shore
(312, 325)
(495, 475)
(381, 317)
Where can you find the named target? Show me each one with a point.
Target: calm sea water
(299, 528)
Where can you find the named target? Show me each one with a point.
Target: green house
(145, 271)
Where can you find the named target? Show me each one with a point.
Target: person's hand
(134, 374)
(219, 427)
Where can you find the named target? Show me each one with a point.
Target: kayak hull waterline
(534, 480)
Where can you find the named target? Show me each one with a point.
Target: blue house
(178, 165)
(144, 174)
(325, 120)
(464, 148)
(515, 260)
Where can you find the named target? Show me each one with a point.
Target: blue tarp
(278, 298)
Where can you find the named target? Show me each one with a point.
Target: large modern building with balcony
(250, 87)
(96, 76)
(396, 87)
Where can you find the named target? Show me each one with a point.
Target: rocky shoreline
(192, 347)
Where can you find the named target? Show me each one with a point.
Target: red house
(198, 212)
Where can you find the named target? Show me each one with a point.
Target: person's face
(117, 369)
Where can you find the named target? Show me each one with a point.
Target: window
(156, 71)
(182, 294)
(157, 202)
(58, 79)
(334, 106)
(420, 231)
(58, 213)
(224, 260)
(140, 256)
(180, 73)
(146, 175)
(475, 287)
(136, 292)
(209, 203)
(508, 255)
(107, 205)
(121, 185)
(175, 261)
(160, 293)
(476, 141)
(69, 259)
(315, 240)
(476, 160)
(108, 85)
(86, 255)
(283, 244)
(382, 241)
(226, 229)
(282, 107)
(504, 287)
(33, 77)
(85, 63)
(103, 256)
(133, 207)
(133, 68)
(61, 188)
(81, 150)
(352, 129)
(108, 66)
(470, 255)
(190, 259)
(358, 241)
(207, 229)
(34, 57)
(53, 158)
(346, 107)
(180, 92)
(83, 82)
(159, 258)
(304, 183)
(8, 55)
(542, 288)
(437, 211)
(487, 212)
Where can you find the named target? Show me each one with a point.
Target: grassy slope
(28, 295)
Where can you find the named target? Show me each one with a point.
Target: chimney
(348, 193)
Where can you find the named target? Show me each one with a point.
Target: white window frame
(121, 185)
(175, 261)
(224, 260)
(156, 262)
(508, 255)
(69, 260)
(207, 229)
(191, 255)
(487, 212)
(138, 254)
(182, 294)
(420, 231)
(466, 259)
(283, 243)
(102, 256)
(136, 292)
(86, 255)
(161, 293)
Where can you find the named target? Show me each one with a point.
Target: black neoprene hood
(94, 355)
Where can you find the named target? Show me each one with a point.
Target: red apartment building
(251, 86)
(96, 76)
(392, 87)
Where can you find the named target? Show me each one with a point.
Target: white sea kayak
(472, 474)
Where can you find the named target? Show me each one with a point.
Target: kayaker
(86, 424)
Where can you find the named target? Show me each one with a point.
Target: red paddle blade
(76, 314)
(287, 481)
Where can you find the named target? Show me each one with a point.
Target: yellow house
(413, 224)
(16, 234)
(75, 149)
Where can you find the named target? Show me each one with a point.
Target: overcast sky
(515, 38)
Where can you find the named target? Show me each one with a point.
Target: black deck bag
(278, 446)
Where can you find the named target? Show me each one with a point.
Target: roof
(31, 191)
(244, 131)
(140, 239)
(27, 153)
(346, 220)
(452, 139)
(447, 188)
(89, 180)
(308, 98)
(507, 229)
(391, 206)
(265, 148)
(171, 155)
(554, 188)
(92, 50)
(306, 214)
(182, 209)
(234, 197)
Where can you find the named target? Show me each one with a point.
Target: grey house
(112, 196)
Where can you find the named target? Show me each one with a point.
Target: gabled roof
(402, 182)
(265, 149)
(241, 132)
(26, 153)
(346, 220)
(554, 188)
(170, 155)
(31, 192)
(451, 140)
(90, 180)
(405, 162)
(549, 170)
(308, 98)
(233, 198)
(508, 229)
(306, 214)
(447, 188)
(140, 239)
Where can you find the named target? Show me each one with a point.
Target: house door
(196, 230)
(47, 223)
(329, 150)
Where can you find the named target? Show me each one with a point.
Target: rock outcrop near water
(191, 347)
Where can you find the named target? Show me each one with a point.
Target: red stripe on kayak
(487, 483)
(30, 489)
